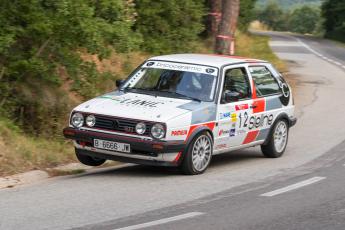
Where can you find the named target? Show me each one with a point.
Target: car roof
(206, 59)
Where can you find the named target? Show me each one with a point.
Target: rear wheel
(88, 160)
(277, 140)
(198, 155)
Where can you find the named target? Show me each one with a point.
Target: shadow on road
(218, 161)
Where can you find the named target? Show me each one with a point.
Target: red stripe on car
(251, 136)
(259, 105)
(210, 125)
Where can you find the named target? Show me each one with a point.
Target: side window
(264, 81)
(236, 83)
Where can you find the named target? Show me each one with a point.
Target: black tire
(88, 160)
(269, 149)
(187, 166)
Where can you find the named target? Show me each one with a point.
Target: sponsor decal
(232, 132)
(221, 146)
(226, 123)
(140, 102)
(234, 117)
(225, 115)
(241, 131)
(136, 102)
(285, 98)
(209, 70)
(223, 132)
(182, 67)
(241, 107)
(179, 132)
(254, 121)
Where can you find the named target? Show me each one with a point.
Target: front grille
(119, 125)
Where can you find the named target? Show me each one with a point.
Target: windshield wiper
(185, 96)
(139, 89)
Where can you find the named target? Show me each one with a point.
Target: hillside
(289, 4)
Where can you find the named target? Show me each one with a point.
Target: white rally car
(179, 110)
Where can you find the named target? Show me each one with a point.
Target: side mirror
(231, 96)
(119, 82)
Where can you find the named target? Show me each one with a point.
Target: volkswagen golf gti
(180, 110)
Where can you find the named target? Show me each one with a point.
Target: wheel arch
(281, 116)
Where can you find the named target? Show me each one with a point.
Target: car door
(234, 108)
(266, 101)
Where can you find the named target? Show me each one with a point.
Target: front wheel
(88, 160)
(277, 140)
(198, 155)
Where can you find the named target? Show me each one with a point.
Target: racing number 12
(245, 117)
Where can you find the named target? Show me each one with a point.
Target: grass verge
(257, 46)
(20, 153)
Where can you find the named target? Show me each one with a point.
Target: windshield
(198, 83)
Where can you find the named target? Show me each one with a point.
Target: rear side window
(264, 81)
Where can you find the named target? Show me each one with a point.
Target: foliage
(304, 20)
(169, 26)
(334, 23)
(39, 38)
(273, 16)
(247, 14)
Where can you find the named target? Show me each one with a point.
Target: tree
(214, 17)
(304, 19)
(247, 14)
(225, 41)
(273, 16)
(39, 39)
(169, 26)
(334, 19)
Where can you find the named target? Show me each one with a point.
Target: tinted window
(264, 82)
(236, 80)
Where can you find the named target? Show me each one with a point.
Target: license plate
(111, 145)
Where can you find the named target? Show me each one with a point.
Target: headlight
(77, 120)
(157, 131)
(140, 128)
(90, 120)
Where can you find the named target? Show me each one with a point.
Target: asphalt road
(241, 190)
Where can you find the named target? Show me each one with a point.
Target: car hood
(138, 106)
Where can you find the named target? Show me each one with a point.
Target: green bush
(169, 26)
(39, 38)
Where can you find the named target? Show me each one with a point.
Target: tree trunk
(225, 40)
(214, 17)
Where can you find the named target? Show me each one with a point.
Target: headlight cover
(140, 128)
(90, 120)
(77, 120)
(158, 131)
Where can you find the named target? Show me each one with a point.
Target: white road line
(162, 221)
(294, 186)
(318, 54)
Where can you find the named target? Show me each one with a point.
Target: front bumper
(142, 150)
(292, 121)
